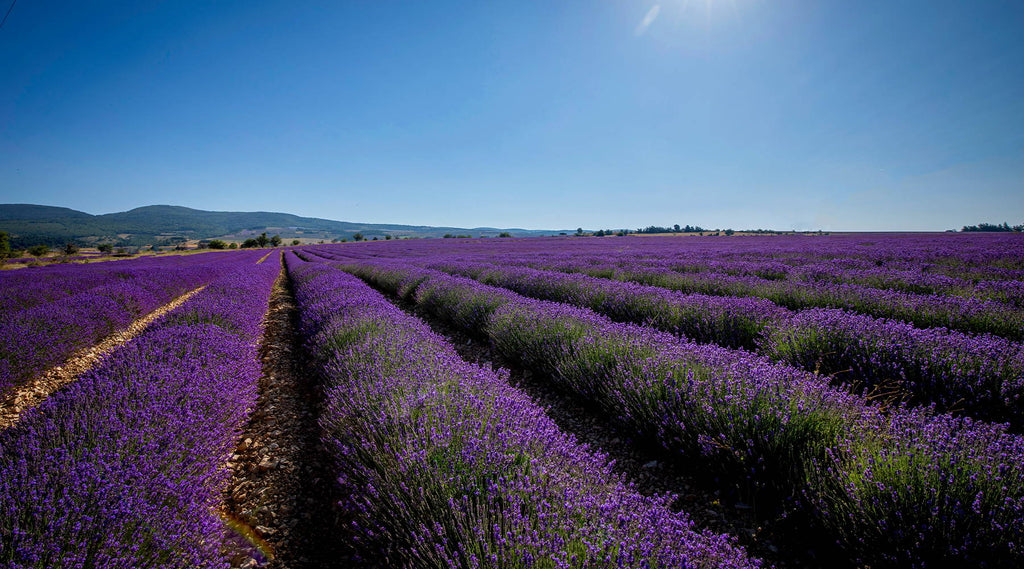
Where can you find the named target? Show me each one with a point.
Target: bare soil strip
(264, 257)
(280, 500)
(647, 466)
(36, 391)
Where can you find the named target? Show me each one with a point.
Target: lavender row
(48, 333)
(923, 311)
(124, 467)
(978, 374)
(903, 488)
(446, 465)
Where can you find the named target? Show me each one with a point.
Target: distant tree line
(674, 229)
(262, 241)
(993, 227)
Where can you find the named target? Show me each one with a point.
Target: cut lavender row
(780, 426)
(48, 333)
(448, 466)
(981, 375)
(124, 467)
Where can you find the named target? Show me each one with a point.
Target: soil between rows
(281, 498)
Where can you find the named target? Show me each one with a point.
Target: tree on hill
(70, 249)
(217, 244)
(38, 250)
(275, 241)
(262, 240)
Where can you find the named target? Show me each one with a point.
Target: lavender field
(652, 402)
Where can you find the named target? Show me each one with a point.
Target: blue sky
(603, 114)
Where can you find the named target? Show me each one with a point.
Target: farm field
(851, 400)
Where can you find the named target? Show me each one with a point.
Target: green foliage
(105, 248)
(5, 246)
(218, 244)
(989, 227)
(504, 234)
(262, 240)
(250, 244)
(295, 242)
(357, 236)
(275, 241)
(233, 246)
(38, 250)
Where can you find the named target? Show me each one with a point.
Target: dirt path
(280, 499)
(36, 391)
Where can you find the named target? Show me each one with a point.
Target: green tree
(70, 249)
(250, 244)
(387, 237)
(5, 246)
(217, 244)
(579, 231)
(357, 236)
(262, 240)
(295, 242)
(504, 234)
(106, 248)
(38, 250)
(233, 246)
(275, 241)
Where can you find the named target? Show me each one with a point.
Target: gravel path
(280, 499)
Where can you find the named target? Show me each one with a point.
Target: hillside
(164, 224)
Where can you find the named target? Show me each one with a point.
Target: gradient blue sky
(835, 115)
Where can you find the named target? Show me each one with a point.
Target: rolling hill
(166, 224)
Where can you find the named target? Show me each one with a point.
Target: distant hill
(166, 224)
